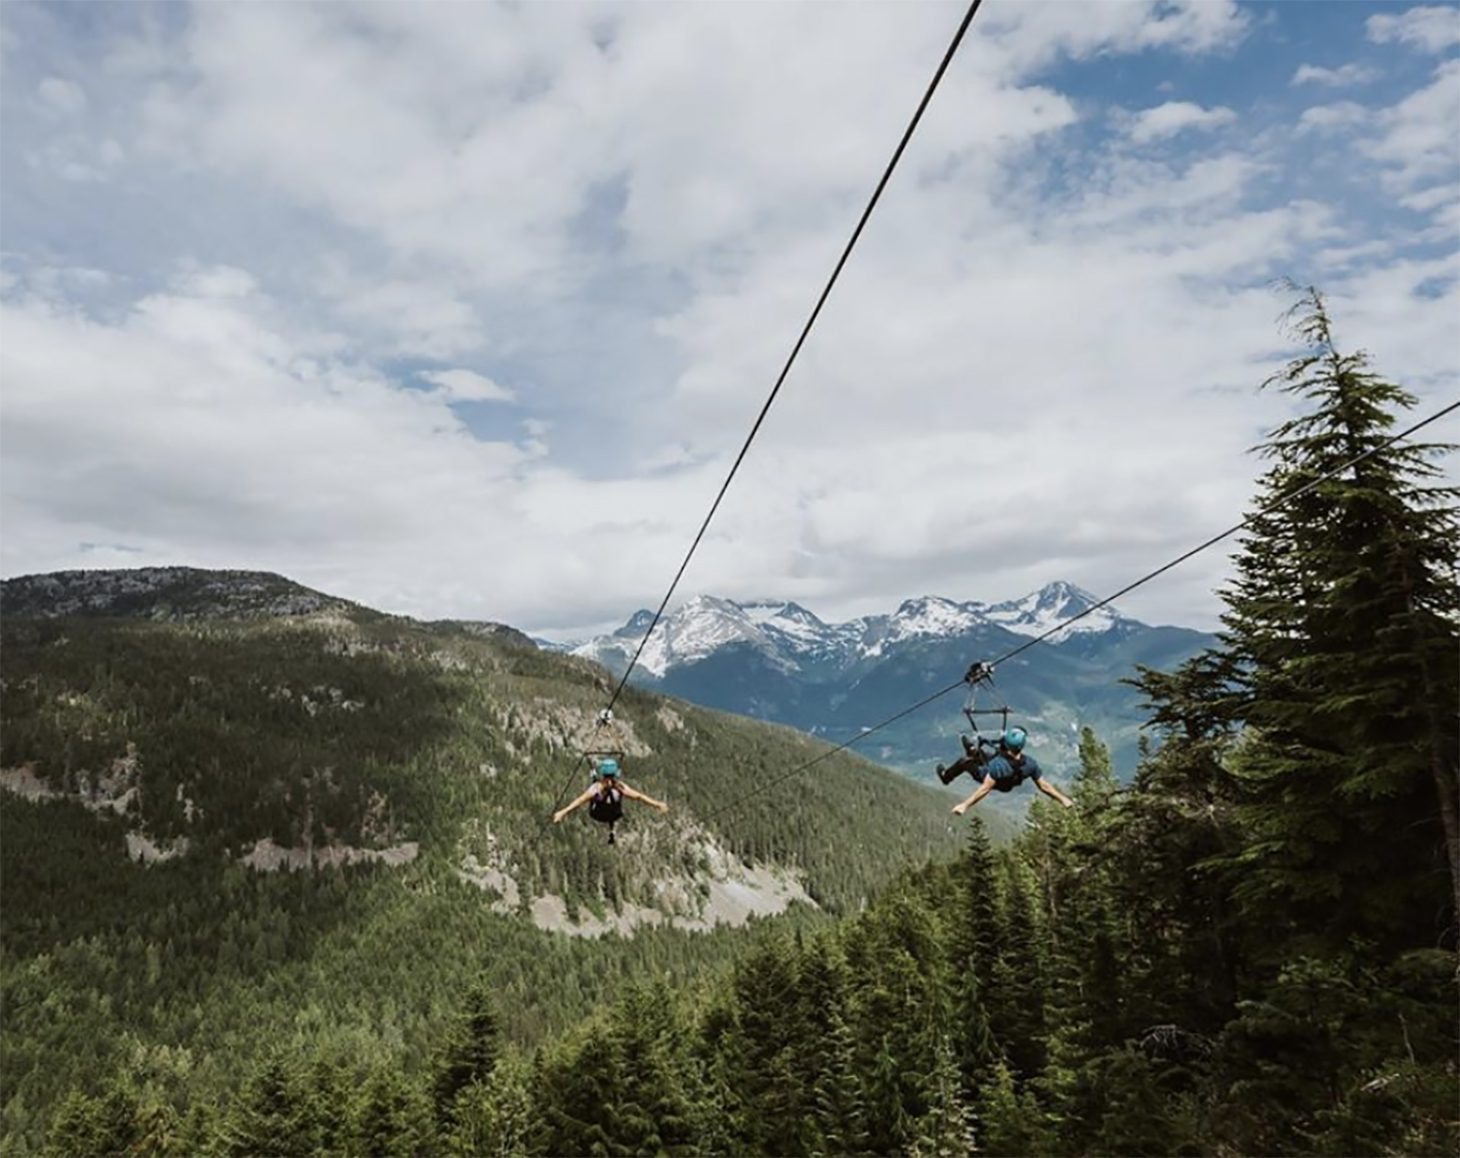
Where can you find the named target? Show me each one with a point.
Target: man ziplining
(1000, 767)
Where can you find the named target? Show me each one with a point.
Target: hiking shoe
(969, 747)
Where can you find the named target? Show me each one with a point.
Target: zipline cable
(805, 333)
(795, 350)
(1129, 587)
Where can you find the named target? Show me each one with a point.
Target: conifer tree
(470, 1053)
(102, 1125)
(328, 1089)
(1018, 981)
(770, 1109)
(1012, 1122)
(496, 1120)
(394, 1118)
(1343, 620)
(577, 1091)
(1178, 823)
(824, 1052)
(653, 1113)
(973, 945)
(273, 1114)
(945, 1131)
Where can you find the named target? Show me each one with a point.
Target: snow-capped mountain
(788, 636)
(785, 634)
(777, 660)
(1051, 606)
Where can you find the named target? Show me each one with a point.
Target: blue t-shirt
(1007, 775)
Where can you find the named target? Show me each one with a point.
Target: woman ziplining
(606, 794)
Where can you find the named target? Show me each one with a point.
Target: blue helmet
(1014, 739)
(605, 767)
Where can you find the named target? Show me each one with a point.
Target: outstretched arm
(1050, 790)
(635, 794)
(979, 793)
(578, 803)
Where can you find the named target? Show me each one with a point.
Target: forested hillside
(1083, 992)
(157, 768)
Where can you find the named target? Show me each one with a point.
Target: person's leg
(957, 769)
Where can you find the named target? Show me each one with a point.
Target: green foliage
(1012, 1122)
(394, 1117)
(469, 1055)
(495, 1119)
(1343, 623)
(365, 733)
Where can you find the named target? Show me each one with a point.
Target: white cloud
(1420, 142)
(64, 96)
(1341, 77)
(1342, 115)
(1046, 339)
(1032, 35)
(467, 386)
(202, 425)
(1431, 28)
(1431, 198)
(1155, 124)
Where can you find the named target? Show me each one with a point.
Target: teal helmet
(605, 767)
(1014, 739)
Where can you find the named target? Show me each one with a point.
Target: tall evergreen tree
(273, 1116)
(1018, 981)
(1012, 1121)
(824, 1052)
(496, 1120)
(770, 1109)
(1342, 618)
(101, 1125)
(394, 1117)
(946, 1130)
(1177, 824)
(470, 1053)
(654, 1113)
(973, 945)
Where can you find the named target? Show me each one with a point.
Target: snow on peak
(933, 615)
(769, 610)
(791, 625)
(636, 626)
(787, 634)
(1052, 604)
(703, 625)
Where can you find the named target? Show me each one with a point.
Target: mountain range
(777, 660)
(769, 659)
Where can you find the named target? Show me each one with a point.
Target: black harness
(607, 806)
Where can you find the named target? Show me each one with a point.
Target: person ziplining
(606, 794)
(999, 765)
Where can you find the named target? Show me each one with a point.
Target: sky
(464, 310)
